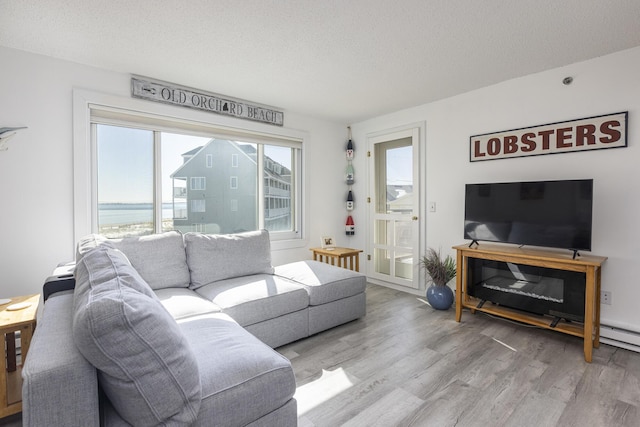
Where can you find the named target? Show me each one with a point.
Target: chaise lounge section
(176, 329)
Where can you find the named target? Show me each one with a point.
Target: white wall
(603, 85)
(36, 203)
(36, 173)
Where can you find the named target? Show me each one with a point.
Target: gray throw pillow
(145, 366)
(214, 257)
(90, 242)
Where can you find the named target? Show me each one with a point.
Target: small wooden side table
(342, 257)
(12, 321)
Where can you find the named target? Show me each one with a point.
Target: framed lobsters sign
(591, 133)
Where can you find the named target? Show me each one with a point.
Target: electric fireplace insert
(537, 290)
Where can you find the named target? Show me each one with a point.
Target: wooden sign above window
(168, 93)
(591, 133)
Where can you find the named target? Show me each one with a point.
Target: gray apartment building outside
(215, 190)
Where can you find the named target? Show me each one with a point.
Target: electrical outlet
(605, 297)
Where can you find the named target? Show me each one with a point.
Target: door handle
(415, 218)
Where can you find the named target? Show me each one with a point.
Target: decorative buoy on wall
(350, 174)
(350, 179)
(350, 147)
(350, 201)
(350, 227)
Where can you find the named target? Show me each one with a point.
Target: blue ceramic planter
(440, 297)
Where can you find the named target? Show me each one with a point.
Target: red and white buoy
(350, 226)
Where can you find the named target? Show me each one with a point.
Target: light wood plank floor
(406, 364)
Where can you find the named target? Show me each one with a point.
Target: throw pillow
(90, 242)
(145, 365)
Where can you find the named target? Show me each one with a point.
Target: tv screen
(544, 213)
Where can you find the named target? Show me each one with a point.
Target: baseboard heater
(619, 337)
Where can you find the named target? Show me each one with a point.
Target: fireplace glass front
(538, 290)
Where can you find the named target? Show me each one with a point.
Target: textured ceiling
(341, 60)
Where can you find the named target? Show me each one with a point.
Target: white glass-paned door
(394, 207)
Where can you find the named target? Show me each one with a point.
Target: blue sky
(400, 166)
(125, 162)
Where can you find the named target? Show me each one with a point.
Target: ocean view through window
(151, 181)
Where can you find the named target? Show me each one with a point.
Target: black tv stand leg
(556, 319)
(575, 253)
(474, 242)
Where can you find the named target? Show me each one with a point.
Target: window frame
(89, 106)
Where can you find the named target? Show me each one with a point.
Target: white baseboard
(619, 337)
(418, 292)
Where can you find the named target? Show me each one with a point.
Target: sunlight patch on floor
(329, 385)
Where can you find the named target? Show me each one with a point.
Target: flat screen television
(554, 214)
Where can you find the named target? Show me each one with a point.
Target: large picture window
(150, 180)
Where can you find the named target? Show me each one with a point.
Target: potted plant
(440, 272)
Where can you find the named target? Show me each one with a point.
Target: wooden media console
(590, 265)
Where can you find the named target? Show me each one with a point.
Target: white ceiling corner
(344, 61)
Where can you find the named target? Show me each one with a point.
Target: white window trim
(85, 160)
(234, 160)
(233, 182)
(209, 161)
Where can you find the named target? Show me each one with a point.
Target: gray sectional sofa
(175, 329)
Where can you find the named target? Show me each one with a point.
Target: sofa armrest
(59, 385)
(55, 284)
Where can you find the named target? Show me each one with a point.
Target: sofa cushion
(181, 302)
(325, 316)
(282, 330)
(214, 257)
(256, 298)
(160, 259)
(242, 379)
(121, 328)
(324, 282)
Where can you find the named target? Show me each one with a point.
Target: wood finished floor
(406, 364)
